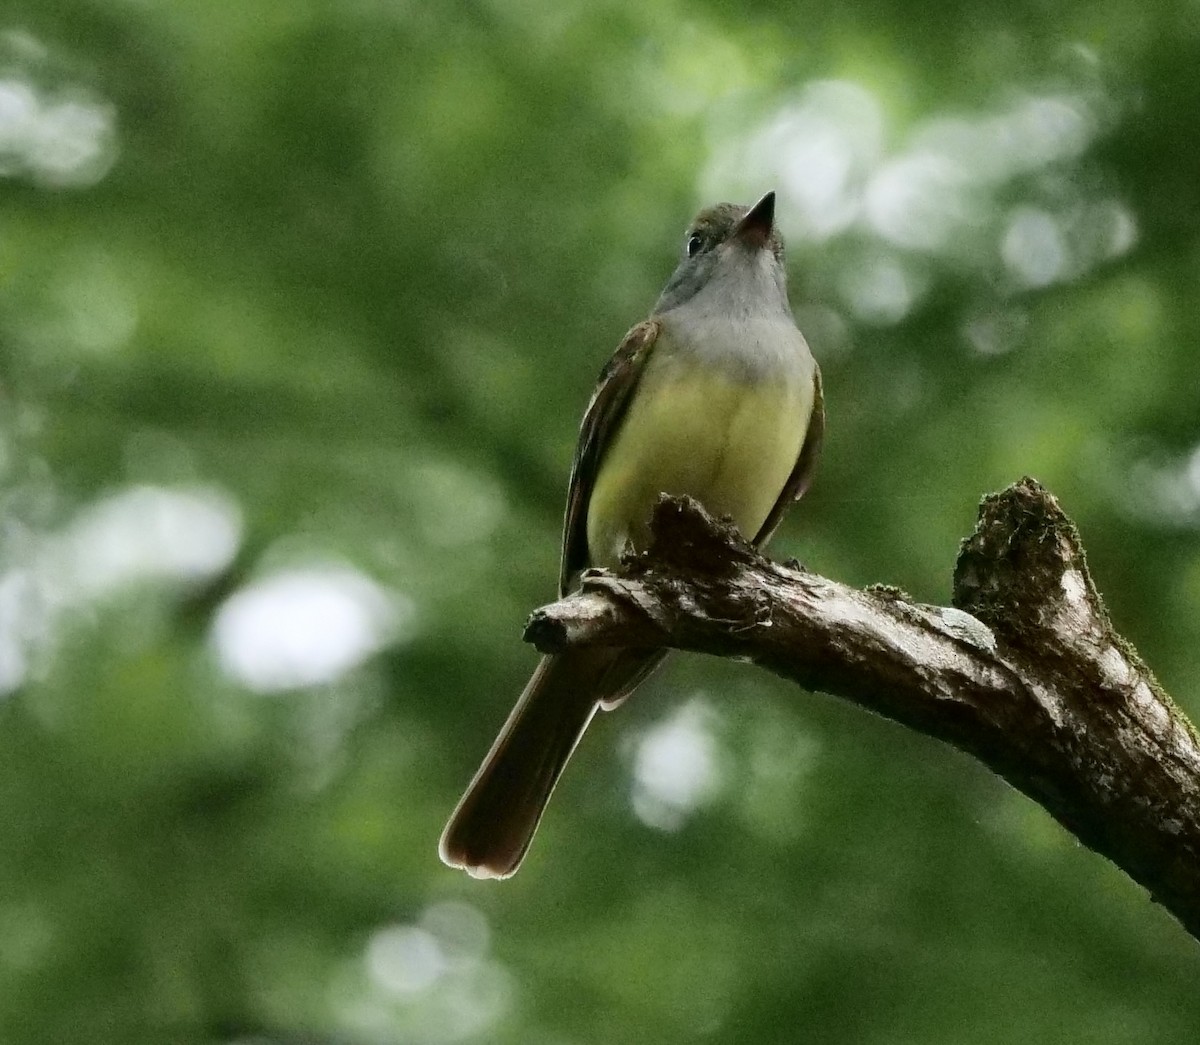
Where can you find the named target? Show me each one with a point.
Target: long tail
(491, 828)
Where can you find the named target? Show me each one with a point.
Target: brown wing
(614, 390)
(806, 465)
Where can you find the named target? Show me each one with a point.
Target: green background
(300, 303)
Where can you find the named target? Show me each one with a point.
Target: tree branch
(1025, 671)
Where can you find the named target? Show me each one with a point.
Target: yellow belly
(727, 442)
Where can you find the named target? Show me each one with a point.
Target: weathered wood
(1025, 671)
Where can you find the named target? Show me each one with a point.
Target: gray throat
(738, 320)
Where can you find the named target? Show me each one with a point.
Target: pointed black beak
(755, 228)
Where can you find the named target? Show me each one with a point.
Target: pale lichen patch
(1074, 586)
(967, 628)
(1115, 667)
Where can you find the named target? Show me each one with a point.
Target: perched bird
(716, 396)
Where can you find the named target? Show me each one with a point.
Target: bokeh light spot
(405, 959)
(63, 141)
(306, 627)
(676, 767)
(918, 201)
(1033, 247)
(880, 290)
(150, 532)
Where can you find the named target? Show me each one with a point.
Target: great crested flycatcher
(716, 396)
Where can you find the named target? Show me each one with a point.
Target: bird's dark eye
(695, 244)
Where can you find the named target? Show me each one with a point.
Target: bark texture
(1024, 671)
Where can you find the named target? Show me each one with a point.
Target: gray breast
(748, 347)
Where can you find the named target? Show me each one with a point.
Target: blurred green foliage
(300, 303)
